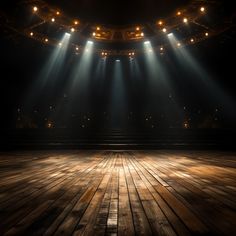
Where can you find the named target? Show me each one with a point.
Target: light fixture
(76, 22)
(58, 13)
(164, 30)
(137, 28)
(46, 40)
(94, 34)
(72, 30)
(35, 9)
(53, 19)
(185, 20)
(178, 13)
(191, 40)
(142, 34)
(160, 22)
(31, 33)
(98, 28)
(202, 9)
(206, 34)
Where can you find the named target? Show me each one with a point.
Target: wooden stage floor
(117, 193)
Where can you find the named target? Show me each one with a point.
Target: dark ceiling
(118, 12)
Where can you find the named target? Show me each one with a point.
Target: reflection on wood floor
(117, 193)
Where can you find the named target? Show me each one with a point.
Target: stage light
(59, 44)
(31, 33)
(142, 34)
(117, 60)
(94, 34)
(68, 34)
(35, 9)
(53, 19)
(58, 13)
(76, 22)
(137, 28)
(170, 34)
(98, 28)
(72, 30)
(191, 40)
(160, 22)
(206, 34)
(46, 40)
(147, 42)
(185, 20)
(178, 13)
(202, 9)
(164, 30)
(178, 44)
(90, 42)
(77, 48)
(161, 48)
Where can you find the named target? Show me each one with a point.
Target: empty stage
(124, 193)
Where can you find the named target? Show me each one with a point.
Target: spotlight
(72, 30)
(77, 48)
(170, 34)
(58, 13)
(164, 30)
(185, 20)
(35, 9)
(178, 13)
(98, 28)
(137, 28)
(90, 42)
(94, 34)
(31, 33)
(53, 19)
(202, 9)
(142, 34)
(46, 40)
(76, 22)
(160, 22)
(59, 44)
(147, 42)
(67, 34)
(206, 34)
(191, 40)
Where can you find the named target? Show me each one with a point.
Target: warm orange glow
(179, 13)
(76, 22)
(58, 13)
(137, 28)
(202, 9)
(46, 40)
(160, 22)
(98, 28)
(35, 9)
(161, 48)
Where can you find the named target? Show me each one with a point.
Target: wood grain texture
(118, 193)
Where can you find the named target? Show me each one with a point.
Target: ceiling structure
(117, 31)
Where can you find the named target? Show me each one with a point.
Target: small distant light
(77, 48)
(133, 53)
(46, 40)
(161, 48)
(31, 33)
(206, 34)
(103, 53)
(178, 44)
(117, 60)
(191, 40)
(202, 9)
(53, 19)
(147, 42)
(178, 13)
(137, 28)
(160, 22)
(164, 30)
(94, 34)
(76, 22)
(58, 13)
(72, 29)
(35, 9)
(98, 28)
(142, 34)
(90, 42)
(185, 20)
(60, 44)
